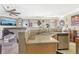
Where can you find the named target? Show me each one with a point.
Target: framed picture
(62, 23)
(75, 20)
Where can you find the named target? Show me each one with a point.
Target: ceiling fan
(11, 12)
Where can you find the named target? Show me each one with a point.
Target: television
(8, 21)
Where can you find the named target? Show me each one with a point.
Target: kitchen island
(42, 44)
(38, 41)
(46, 43)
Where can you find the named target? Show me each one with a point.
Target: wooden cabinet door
(63, 41)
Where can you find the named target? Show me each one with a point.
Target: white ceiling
(43, 9)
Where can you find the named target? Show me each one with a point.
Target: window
(8, 21)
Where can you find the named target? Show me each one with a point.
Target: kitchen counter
(42, 38)
(41, 43)
(45, 38)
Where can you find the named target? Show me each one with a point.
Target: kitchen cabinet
(77, 45)
(63, 39)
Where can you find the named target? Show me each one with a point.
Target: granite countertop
(42, 38)
(15, 27)
(12, 27)
(61, 32)
(45, 38)
(52, 34)
(52, 40)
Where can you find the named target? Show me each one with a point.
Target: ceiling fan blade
(13, 14)
(13, 10)
(4, 8)
(18, 13)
